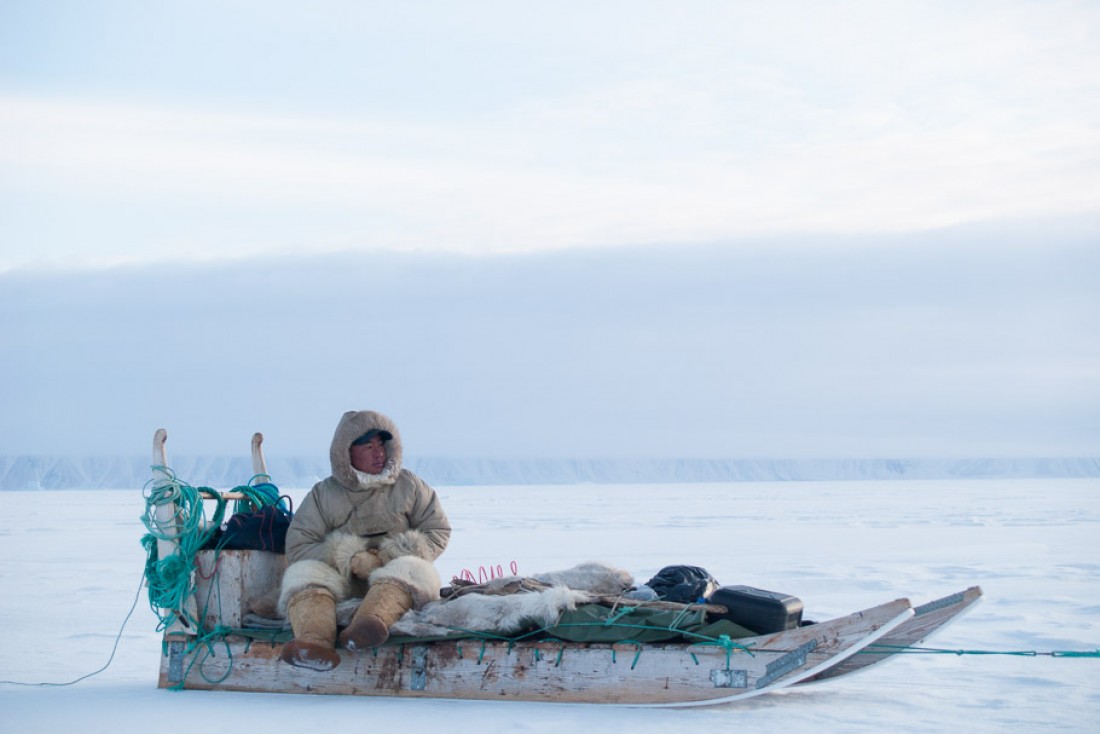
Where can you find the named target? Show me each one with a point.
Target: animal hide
(595, 577)
(496, 610)
(490, 613)
(493, 608)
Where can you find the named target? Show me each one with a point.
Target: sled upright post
(259, 465)
(168, 545)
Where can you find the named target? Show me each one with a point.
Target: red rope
(487, 574)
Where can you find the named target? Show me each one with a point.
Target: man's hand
(363, 562)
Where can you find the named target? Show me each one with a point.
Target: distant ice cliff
(43, 472)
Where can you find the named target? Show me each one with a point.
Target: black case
(761, 611)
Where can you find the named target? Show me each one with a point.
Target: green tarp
(597, 623)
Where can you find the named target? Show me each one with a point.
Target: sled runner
(927, 620)
(598, 649)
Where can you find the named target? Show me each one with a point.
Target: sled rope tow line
(110, 658)
(875, 649)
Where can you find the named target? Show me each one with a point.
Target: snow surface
(71, 566)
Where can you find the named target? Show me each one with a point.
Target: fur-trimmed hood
(352, 425)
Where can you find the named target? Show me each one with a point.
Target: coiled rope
(185, 526)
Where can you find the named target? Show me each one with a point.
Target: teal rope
(724, 642)
(169, 579)
(876, 649)
(260, 493)
(637, 651)
(206, 642)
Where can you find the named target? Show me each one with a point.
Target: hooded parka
(394, 513)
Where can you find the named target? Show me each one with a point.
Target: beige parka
(373, 507)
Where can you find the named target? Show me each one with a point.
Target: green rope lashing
(724, 642)
(637, 651)
(206, 642)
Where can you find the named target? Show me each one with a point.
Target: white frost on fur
(488, 613)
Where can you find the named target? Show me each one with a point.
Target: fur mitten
(363, 562)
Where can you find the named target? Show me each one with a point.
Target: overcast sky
(550, 229)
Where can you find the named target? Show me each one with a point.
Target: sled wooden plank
(207, 494)
(548, 670)
(927, 620)
(231, 583)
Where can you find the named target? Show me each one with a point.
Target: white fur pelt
(510, 613)
(593, 576)
(490, 613)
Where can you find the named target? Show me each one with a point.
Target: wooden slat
(214, 494)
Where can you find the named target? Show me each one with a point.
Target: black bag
(262, 529)
(683, 584)
(762, 611)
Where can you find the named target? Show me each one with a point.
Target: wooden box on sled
(230, 584)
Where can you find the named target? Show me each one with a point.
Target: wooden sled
(530, 669)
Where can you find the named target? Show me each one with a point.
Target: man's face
(369, 457)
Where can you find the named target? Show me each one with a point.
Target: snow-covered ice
(71, 565)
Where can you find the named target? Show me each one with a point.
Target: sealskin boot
(383, 605)
(312, 615)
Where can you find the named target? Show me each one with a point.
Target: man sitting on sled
(370, 530)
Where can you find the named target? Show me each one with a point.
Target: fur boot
(312, 614)
(383, 605)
